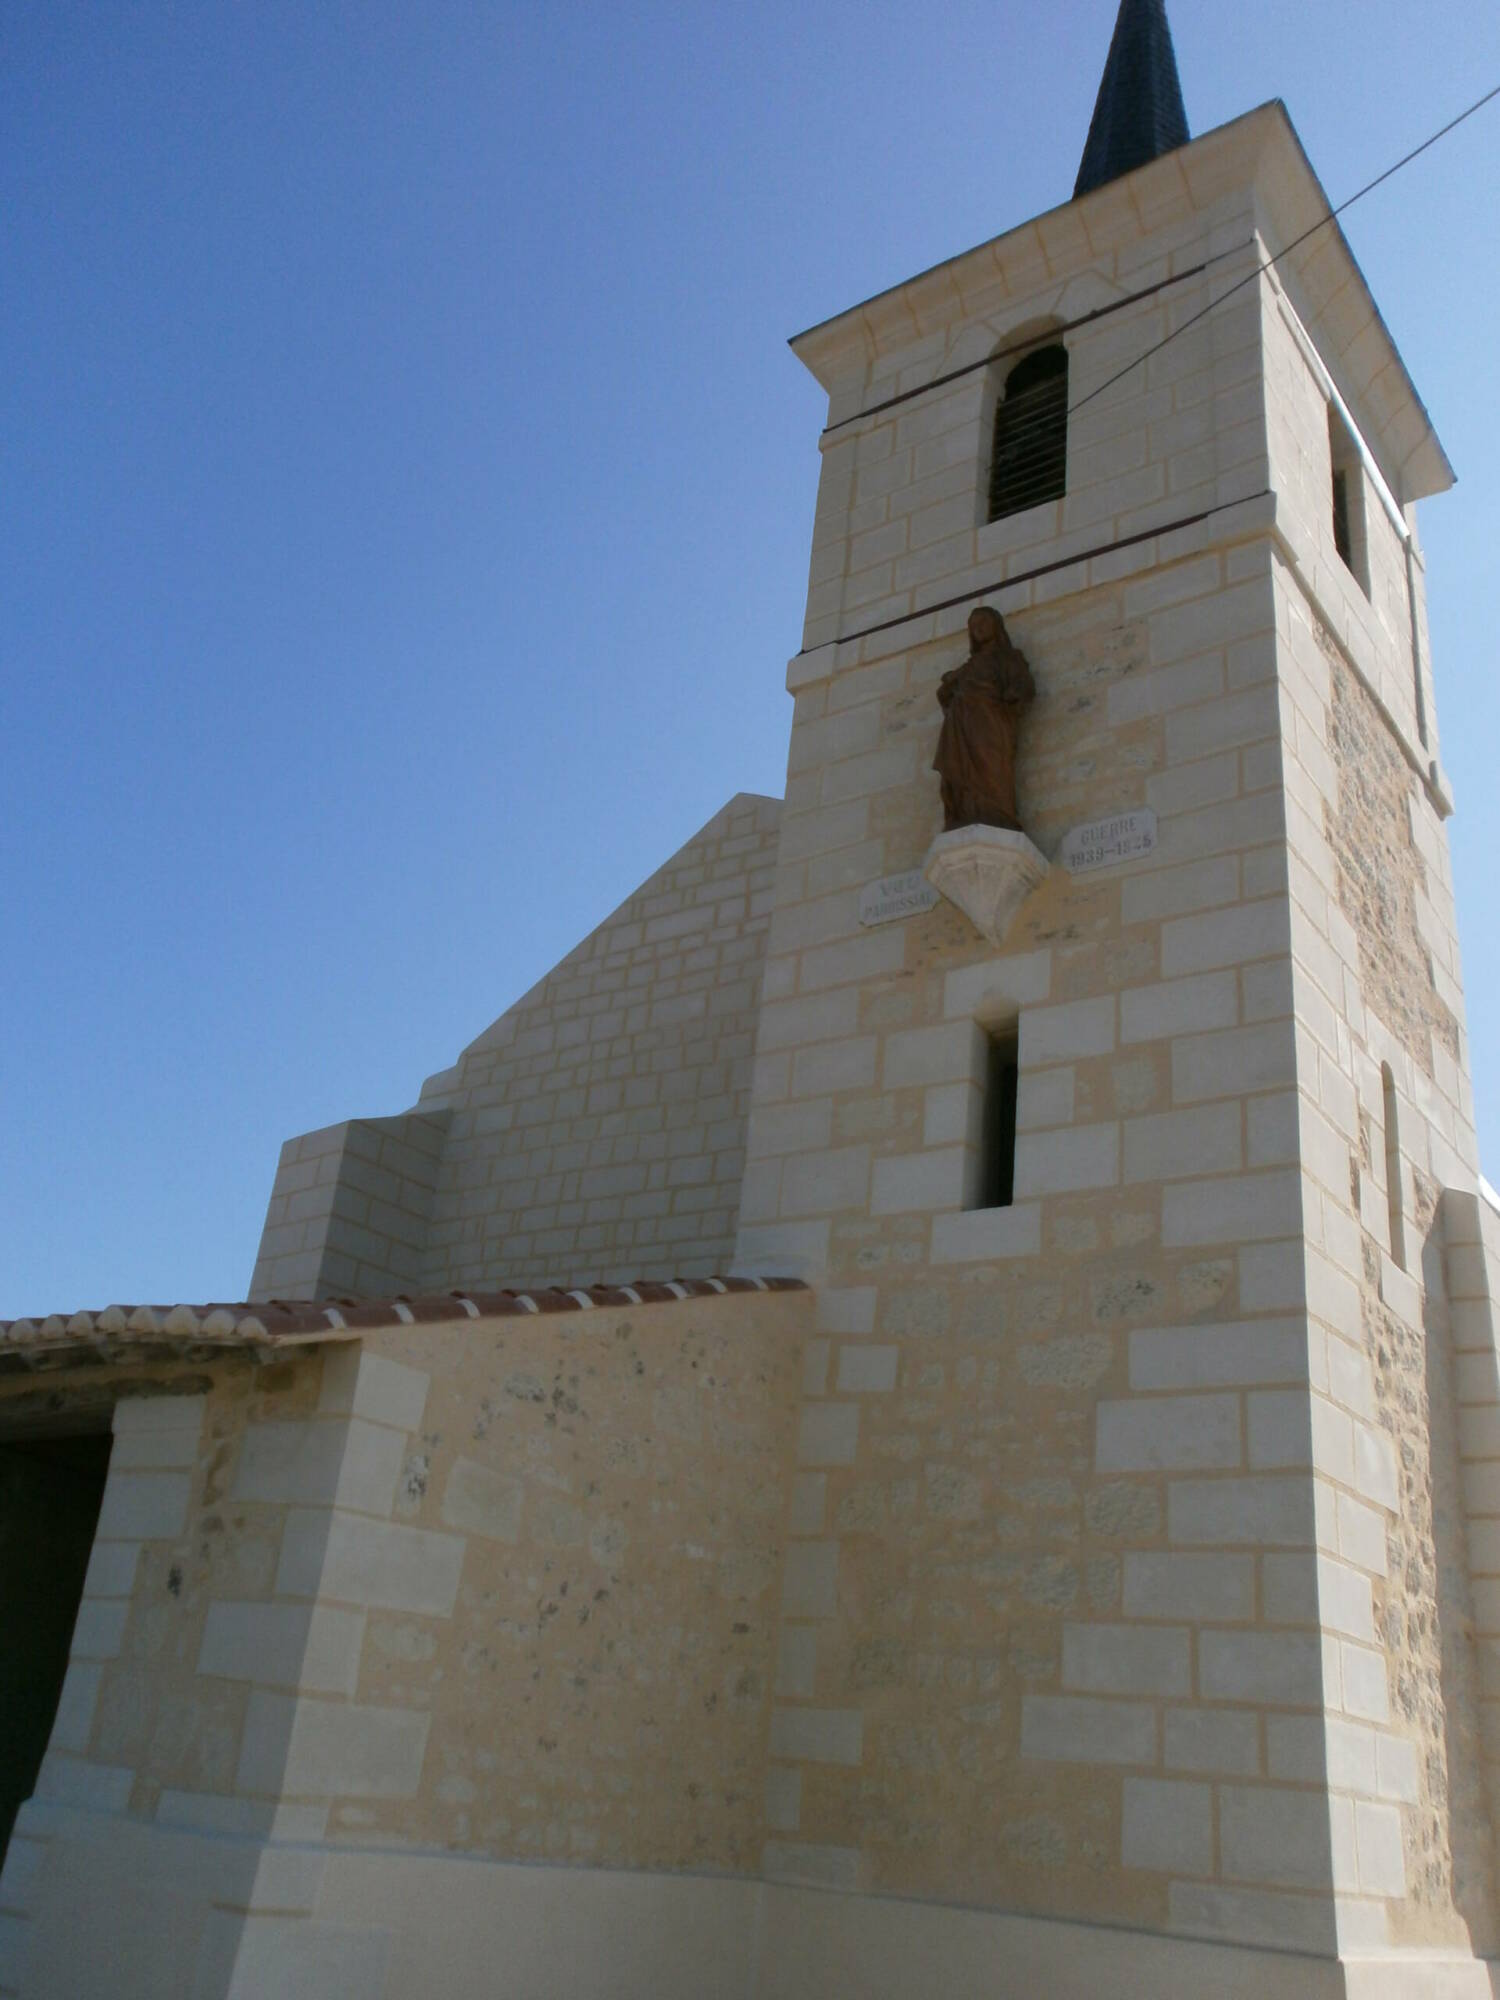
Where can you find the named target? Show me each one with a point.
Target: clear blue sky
(406, 495)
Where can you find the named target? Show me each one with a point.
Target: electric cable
(1260, 270)
(1296, 242)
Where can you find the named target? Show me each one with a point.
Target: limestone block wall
(616, 1484)
(350, 1210)
(1045, 1638)
(595, 1132)
(139, 1737)
(1385, 1119)
(1471, 1239)
(1120, 1579)
(598, 1127)
(1383, 1124)
(1369, 616)
(503, 1588)
(900, 525)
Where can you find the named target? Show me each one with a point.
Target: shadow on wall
(129, 1909)
(257, 1937)
(1458, 1791)
(126, 1908)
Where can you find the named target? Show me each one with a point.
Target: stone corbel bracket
(988, 872)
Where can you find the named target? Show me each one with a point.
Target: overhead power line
(1323, 221)
(1295, 244)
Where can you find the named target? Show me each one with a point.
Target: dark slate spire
(1138, 113)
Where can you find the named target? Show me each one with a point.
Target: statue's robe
(982, 703)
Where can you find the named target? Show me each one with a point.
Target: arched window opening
(1393, 1168)
(1029, 459)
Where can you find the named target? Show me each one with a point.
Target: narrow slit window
(1341, 516)
(1393, 1168)
(1029, 455)
(997, 1165)
(1348, 500)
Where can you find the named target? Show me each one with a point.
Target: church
(923, 1414)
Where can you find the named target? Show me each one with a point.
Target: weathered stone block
(1073, 1729)
(1167, 1825)
(1168, 1433)
(479, 1500)
(817, 1735)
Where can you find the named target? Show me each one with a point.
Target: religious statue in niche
(982, 703)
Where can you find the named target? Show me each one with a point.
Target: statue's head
(986, 626)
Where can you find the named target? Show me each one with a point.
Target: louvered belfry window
(1029, 463)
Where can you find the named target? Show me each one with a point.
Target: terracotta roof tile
(40, 1342)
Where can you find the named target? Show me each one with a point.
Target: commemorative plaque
(1105, 843)
(896, 896)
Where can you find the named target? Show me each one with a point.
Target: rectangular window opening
(1393, 1168)
(1341, 517)
(1348, 500)
(997, 1162)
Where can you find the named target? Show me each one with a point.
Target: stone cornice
(1261, 149)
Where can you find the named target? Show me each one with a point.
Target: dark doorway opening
(50, 1489)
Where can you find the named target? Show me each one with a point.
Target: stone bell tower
(1141, 1527)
